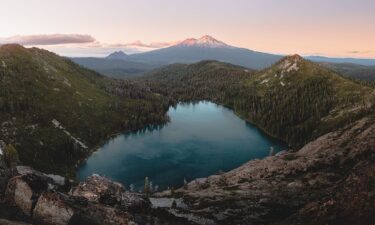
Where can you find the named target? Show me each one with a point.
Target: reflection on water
(200, 140)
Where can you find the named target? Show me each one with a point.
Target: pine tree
(147, 187)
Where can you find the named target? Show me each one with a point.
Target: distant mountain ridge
(191, 50)
(118, 55)
(206, 48)
(360, 61)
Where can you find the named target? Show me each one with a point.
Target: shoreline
(113, 135)
(97, 146)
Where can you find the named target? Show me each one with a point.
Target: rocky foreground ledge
(32, 197)
(329, 181)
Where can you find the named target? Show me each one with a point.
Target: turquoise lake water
(201, 139)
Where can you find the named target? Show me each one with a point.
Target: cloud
(48, 39)
(140, 44)
(95, 49)
(359, 52)
(77, 45)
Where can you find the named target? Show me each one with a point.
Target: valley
(200, 139)
(173, 112)
(55, 113)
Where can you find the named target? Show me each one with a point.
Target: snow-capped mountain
(204, 42)
(194, 50)
(190, 50)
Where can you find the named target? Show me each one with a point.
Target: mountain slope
(207, 48)
(351, 70)
(365, 62)
(194, 50)
(115, 68)
(328, 181)
(118, 55)
(299, 100)
(53, 111)
(295, 100)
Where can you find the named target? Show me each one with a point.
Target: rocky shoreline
(331, 180)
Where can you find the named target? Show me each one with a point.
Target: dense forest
(355, 71)
(294, 100)
(54, 112)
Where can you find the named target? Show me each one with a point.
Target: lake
(201, 139)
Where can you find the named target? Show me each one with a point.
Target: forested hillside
(295, 100)
(114, 67)
(355, 71)
(54, 111)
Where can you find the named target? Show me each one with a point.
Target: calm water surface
(200, 140)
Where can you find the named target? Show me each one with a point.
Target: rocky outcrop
(5, 172)
(351, 202)
(51, 209)
(99, 189)
(292, 184)
(20, 194)
(25, 187)
(97, 214)
(329, 181)
(10, 222)
(43, 199)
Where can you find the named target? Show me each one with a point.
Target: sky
(339, 28)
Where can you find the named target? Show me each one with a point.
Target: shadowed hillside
(54, 111)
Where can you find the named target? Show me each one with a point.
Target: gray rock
(96, 214)
(51, 209)
(99, 189)
(9, 222)
(20, 194)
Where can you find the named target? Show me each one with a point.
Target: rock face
(9, 222)
(99, 189)
(96, 214)
(20, 194)
(42, 199)
(330, 179)
(24, 189)
(52, 210)
(5, 172)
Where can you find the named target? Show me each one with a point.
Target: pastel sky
(343, 28)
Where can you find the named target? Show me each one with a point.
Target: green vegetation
(147, 189)
(54, 111)
(295, 100)
(11, 155)
(355, 71)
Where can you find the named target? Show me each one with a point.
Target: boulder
(51, 209)
(134, 202)
(24, 189)
(54, 181)
(5, 174)
(97, 214)
(9, 222)
(18, 193)
(99, 189)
